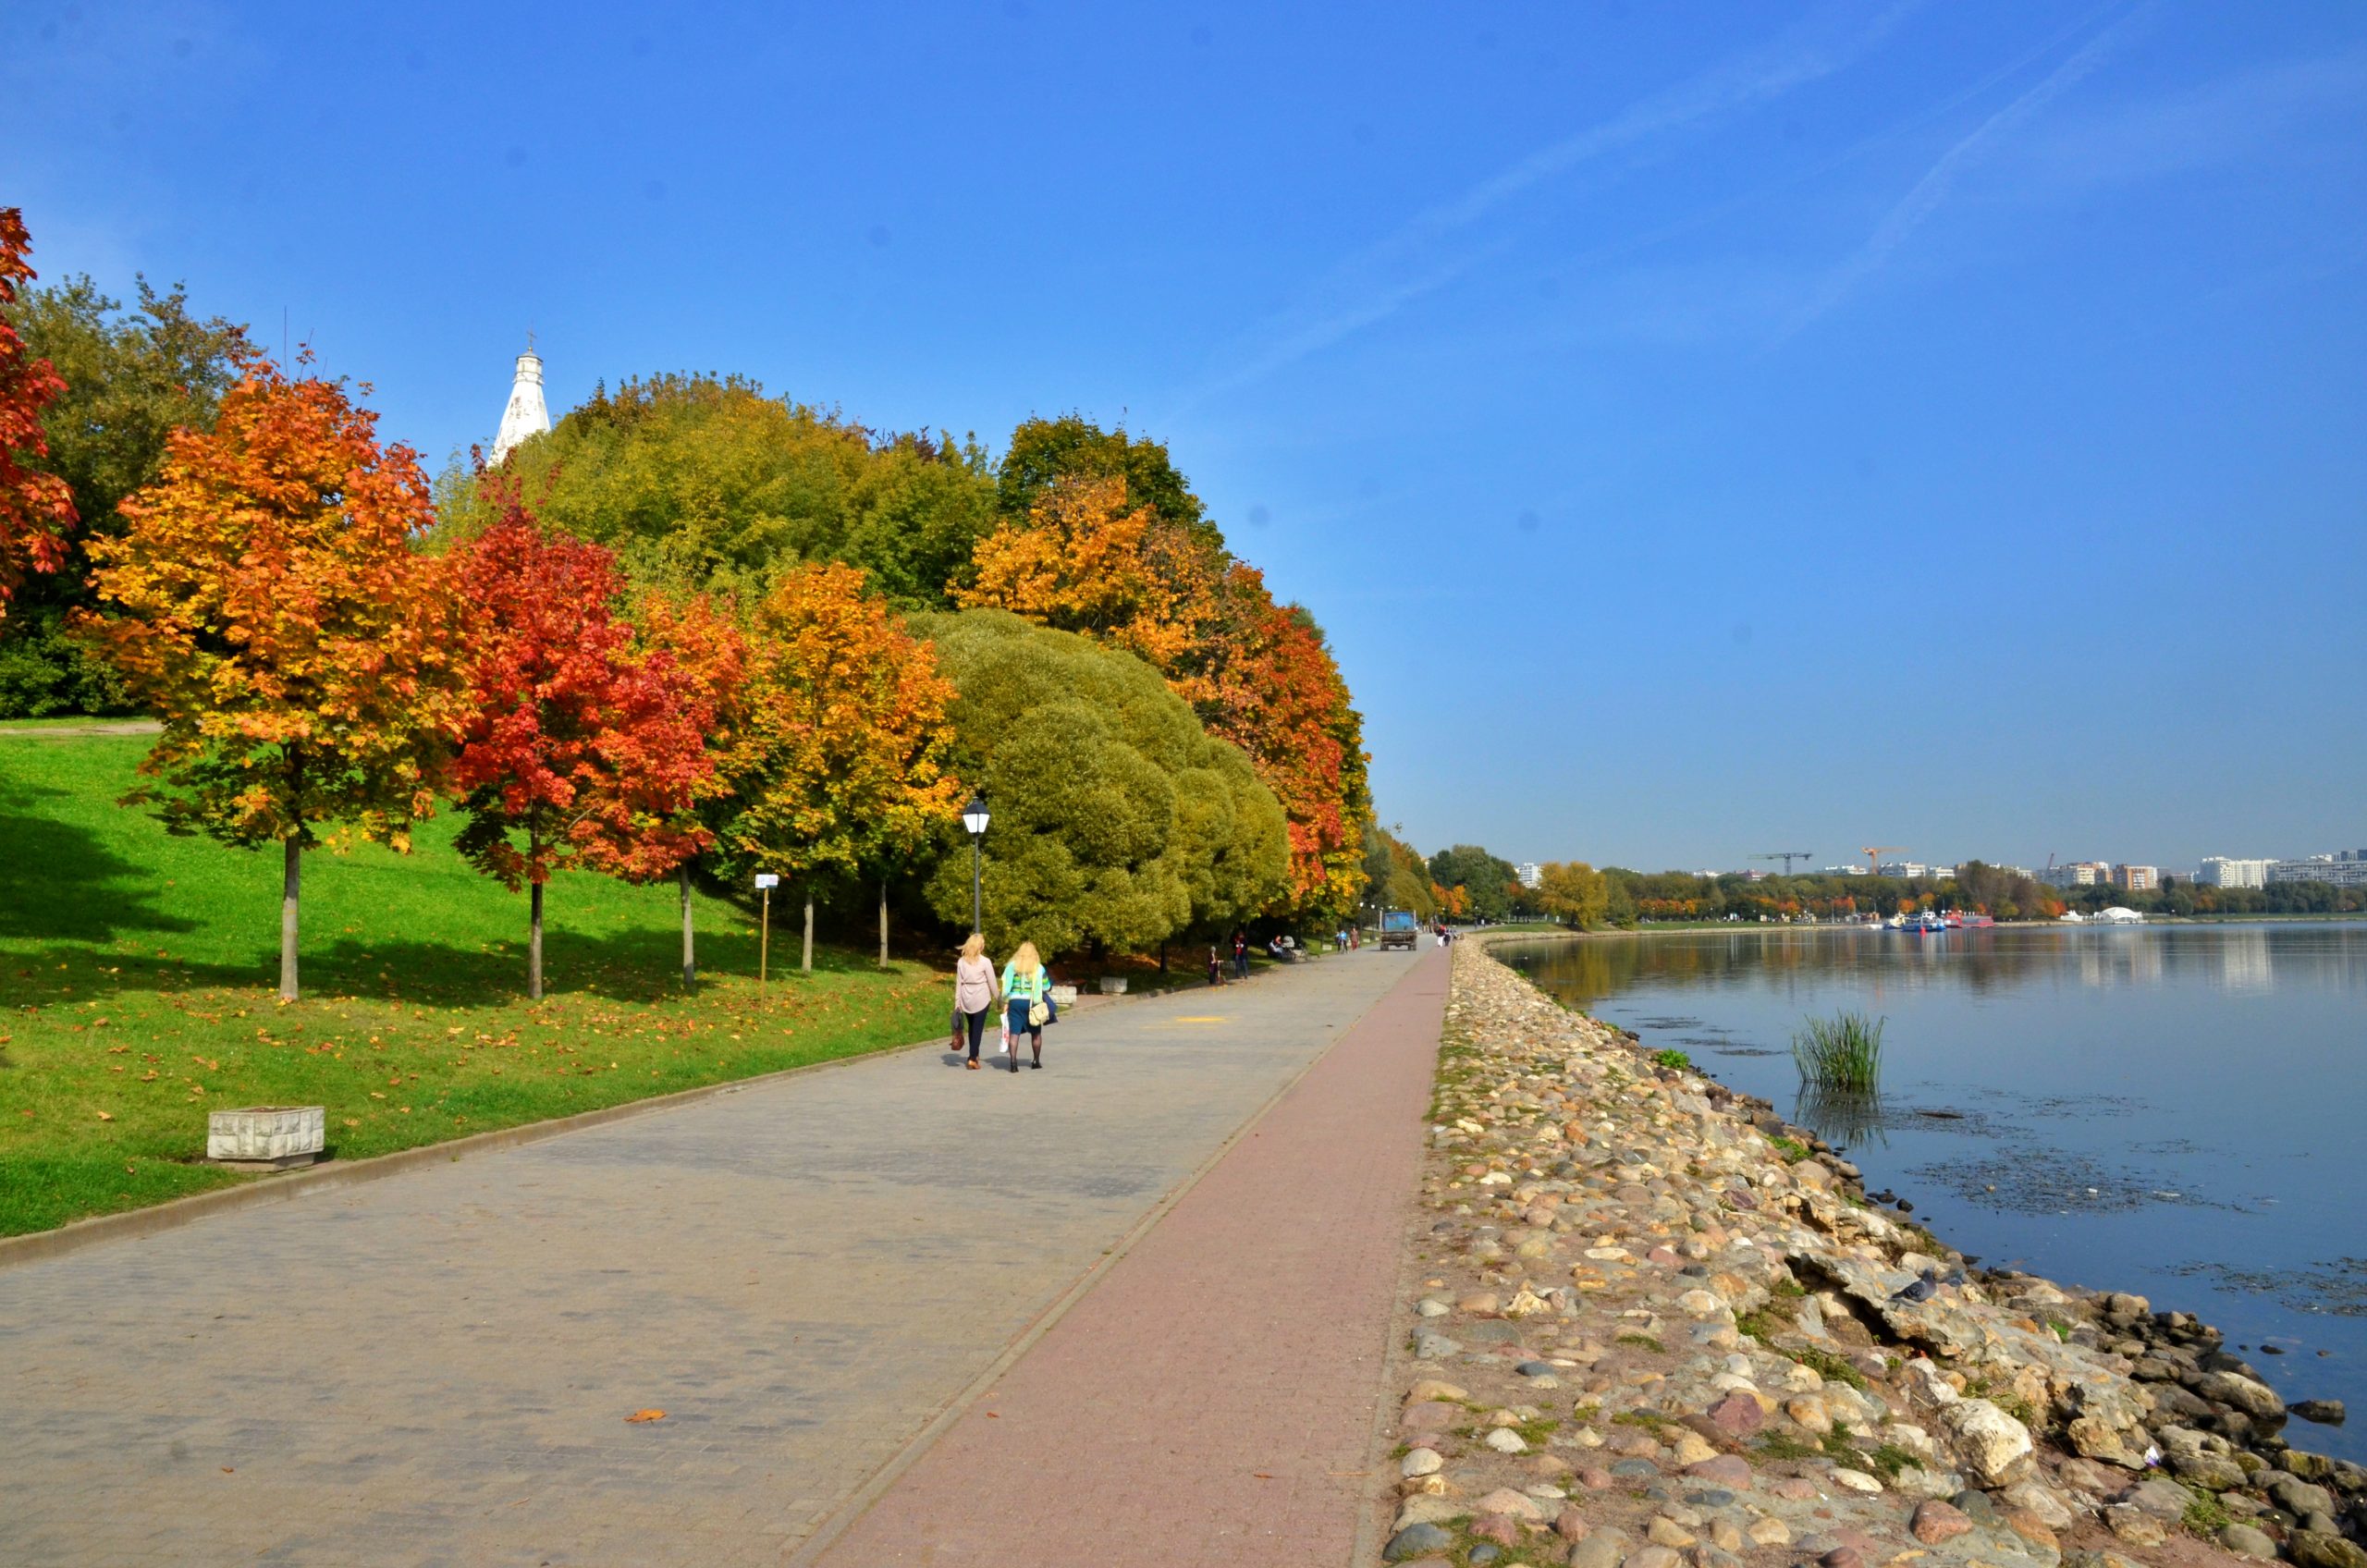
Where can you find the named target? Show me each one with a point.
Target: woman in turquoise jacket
(1026, 984)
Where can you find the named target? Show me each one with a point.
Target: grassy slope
(138, 978)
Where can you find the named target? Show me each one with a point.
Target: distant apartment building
(2136, 878)
(1903, 868)
(2220, 871)
(1530, 874)
(2345, 868)
(2078, 874)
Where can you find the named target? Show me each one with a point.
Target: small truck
(1399, 928)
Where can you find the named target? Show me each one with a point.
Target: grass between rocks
(139, 975)
(2206, 1515)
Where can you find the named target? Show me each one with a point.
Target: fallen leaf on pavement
(640, 1415)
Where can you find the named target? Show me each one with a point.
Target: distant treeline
(1470, 883)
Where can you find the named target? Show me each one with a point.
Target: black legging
(977, 1024)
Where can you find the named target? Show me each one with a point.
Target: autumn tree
(36, 508)
(840, 764)
(269, 608)
(1044, 452)
(1396, 872)
(1086, 559)
(577, 750)
(133, 376)
(1574, 892)
(710, 658)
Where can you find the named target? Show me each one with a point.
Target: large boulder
(1990, 1444)
(2239, 1392)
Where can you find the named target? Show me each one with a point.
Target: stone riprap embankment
(1655, 1328)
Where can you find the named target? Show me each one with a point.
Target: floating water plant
(1842, 1053)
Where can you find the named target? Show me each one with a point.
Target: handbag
(1038, 1014)
(956, 1028)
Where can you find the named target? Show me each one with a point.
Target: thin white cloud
(1409, 264)
(1938, 181)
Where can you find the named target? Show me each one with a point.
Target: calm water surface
(2176, 1110)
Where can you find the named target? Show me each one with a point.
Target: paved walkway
(1212, 1399)
(436, 1368)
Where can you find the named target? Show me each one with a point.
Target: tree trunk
(534, 941)
(808, 964)
(292, 885)
(883, 923)
(690, 953)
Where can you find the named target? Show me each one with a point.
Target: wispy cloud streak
(1414, 260)
(1929, 192)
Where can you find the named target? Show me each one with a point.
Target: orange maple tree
(35, 508)
(576, 748)
(270, 608)
(840, 762)
(1085, 560)
(710, 657)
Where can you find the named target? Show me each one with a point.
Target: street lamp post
(973, 817)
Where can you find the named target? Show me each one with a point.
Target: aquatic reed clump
(1844, 1052)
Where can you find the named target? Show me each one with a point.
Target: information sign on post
(766, 882)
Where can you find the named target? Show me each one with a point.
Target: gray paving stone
(439, 1364)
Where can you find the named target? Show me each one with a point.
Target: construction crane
(1786, 856)
(1874, 854)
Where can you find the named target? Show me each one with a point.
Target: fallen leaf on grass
(639, 1416)
(106, 1116)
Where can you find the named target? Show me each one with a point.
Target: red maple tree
(35, 508)
(577, 748)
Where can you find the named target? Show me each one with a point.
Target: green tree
(1118, 821)
(1486, 881)
(133, 377)
(699, 481)
(1073, 446)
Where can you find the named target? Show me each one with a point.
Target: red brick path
(1211, 1399)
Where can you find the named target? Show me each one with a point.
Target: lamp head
(973, 816)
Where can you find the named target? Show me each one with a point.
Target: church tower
(525, 415)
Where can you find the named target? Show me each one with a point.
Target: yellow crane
(1874, 854)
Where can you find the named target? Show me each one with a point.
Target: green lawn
(139, 975)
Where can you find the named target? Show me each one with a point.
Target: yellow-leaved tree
(269, 606)
(838, 766)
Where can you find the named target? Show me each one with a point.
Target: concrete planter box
(1113, 985)
(266, 1137)
(1062, 995)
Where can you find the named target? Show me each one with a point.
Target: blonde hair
(1026, 960)
(976, 946)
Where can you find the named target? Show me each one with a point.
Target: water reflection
(1842, 1116)
(2233, 957)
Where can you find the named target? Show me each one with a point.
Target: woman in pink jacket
(974, 991)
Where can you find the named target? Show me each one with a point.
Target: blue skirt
(1017, 1017)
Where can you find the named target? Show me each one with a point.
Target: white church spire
(525, 415)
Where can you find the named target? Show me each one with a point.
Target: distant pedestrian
(1026, 987)
(1216, 966)
(1240, 953)
(974, 993)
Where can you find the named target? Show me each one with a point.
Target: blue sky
(1701, 429)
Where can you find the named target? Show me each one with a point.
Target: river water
(2176, 1110)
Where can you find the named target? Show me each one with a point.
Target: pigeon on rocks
(1917, 1289)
